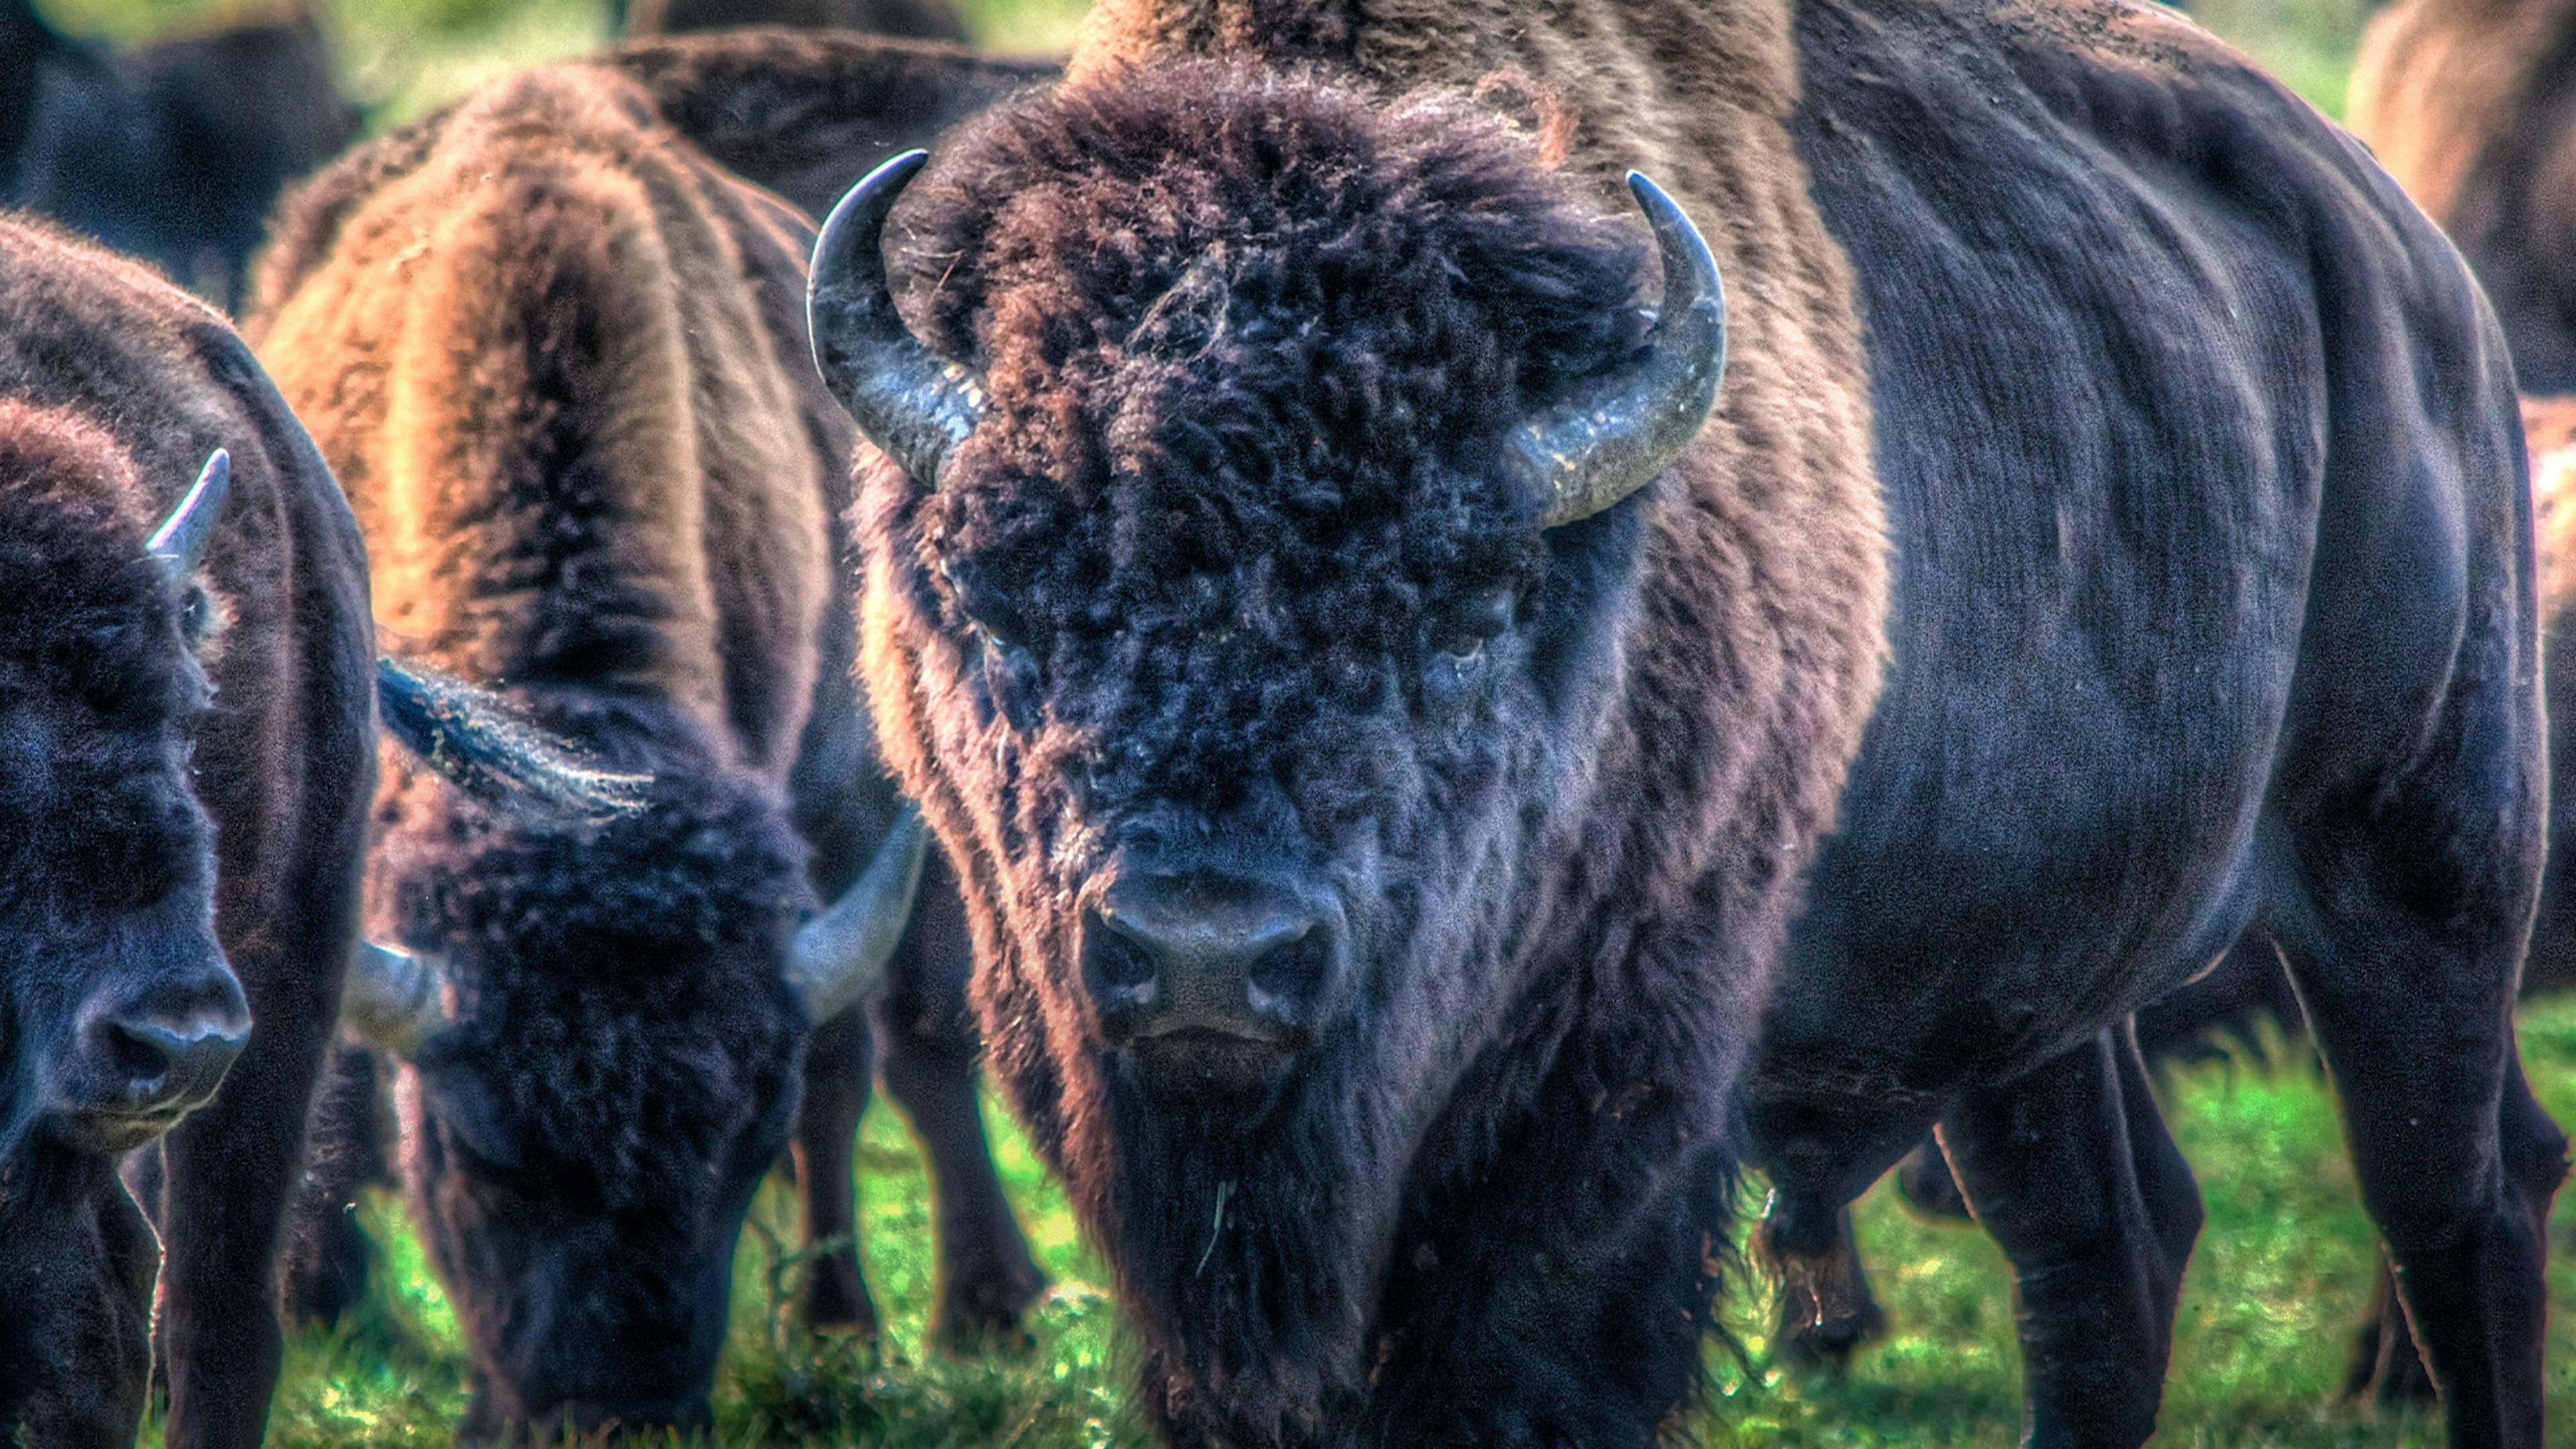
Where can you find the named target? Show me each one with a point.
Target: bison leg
(1923, 1179)
(322, 1269)
(986, 1277)
(2071, 1169)
(2457, 1163)
(838, 1068)
(2385, 1366)
(229, 1167)
(1826, 1310)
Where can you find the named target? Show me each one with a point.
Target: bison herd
(1435, 630)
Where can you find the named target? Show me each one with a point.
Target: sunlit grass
(2281, 1277)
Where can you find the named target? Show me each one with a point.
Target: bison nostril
(1119, 959)
(1294, 973)
(170, 1066)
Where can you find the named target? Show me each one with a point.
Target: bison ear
(488, 748)
(179, 544)
(462, 1101)
(912, 403)
(1584, 457)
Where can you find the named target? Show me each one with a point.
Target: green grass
(2281, 1276)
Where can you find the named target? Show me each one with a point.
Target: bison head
(1241, 593)
(606, 1023)
(117, 1009)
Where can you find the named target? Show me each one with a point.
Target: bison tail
(490, 749)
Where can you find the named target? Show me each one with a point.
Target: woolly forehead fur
(1252, 344)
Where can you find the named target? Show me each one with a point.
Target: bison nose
(1227, 957)
(164, 1054)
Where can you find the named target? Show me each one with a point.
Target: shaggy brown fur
(106, 366)
(559, 359)
(2471, 105)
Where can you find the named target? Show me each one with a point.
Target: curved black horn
(179, 544)
(394, 1000)
(910, 401)
(841, 952)
(1584, 458)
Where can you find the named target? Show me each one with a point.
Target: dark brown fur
(172, 151)
(807, 114)
(282, 763)
(1278, 1275)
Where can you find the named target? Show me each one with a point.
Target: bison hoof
(1810, 1343)
(837, 1297)
(980, 1311)
(2386, 1370)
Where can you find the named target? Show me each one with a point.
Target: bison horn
(179, 544)
(1582, 459)
(911, 402)
(842, 952)
(486, 747)
(394, 1000)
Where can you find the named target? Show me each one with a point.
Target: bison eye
(985, 610)
(1011, 677)
(1477, 622)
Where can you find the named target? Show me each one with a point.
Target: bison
(174, 151)
(186, 712)
(1434, 798)
(804, 114)
(557, 357)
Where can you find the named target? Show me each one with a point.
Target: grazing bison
(1386, 738)
(804, 114)
(2472, 107)
(175, 151)
(557, 358)
(906, 19)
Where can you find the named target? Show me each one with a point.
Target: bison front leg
(986, 1277)
(229, 1168)
(2071, 1170)
(838, 1073)
(1564, 1298)
(325, 1259)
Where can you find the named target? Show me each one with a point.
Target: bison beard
(1165, 605)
